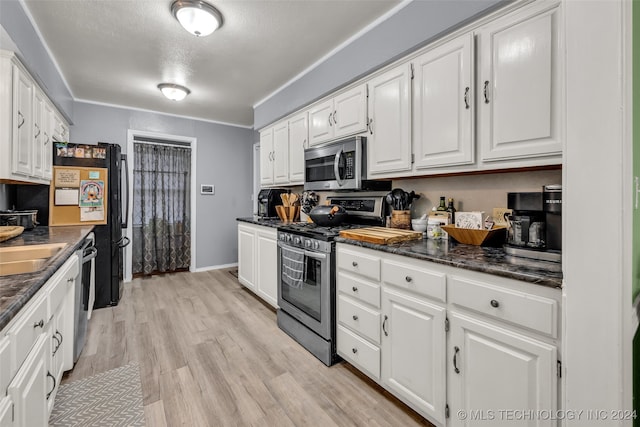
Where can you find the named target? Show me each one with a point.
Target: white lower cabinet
(257, 260)
(33, 348)
(495, 370)
(30, 387)
(413, 356)
(449, 339)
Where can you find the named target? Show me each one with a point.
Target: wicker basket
(494, 237)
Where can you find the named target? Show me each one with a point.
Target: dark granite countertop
(478, 258)
(16, 290)
(273, 223)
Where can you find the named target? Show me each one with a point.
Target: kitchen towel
(292, 267)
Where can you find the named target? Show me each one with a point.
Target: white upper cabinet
(22, 118)
(29, 123)
(280, 156)
(519, 85)
(345, 114)
(443, 105)
(350, 112)
(298, 134)
(389, 139)
(266, 157)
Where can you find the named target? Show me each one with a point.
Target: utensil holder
(401, 219)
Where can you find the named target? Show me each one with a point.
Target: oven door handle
(315, 255)
(336, 167)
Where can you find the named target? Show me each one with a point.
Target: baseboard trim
(214, 267)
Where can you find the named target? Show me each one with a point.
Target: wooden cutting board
(381, 235)
(9, 231)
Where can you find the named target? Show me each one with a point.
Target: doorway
(163, 216)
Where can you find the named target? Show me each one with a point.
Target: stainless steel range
(307, 275)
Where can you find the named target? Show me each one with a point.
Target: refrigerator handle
(125, 219)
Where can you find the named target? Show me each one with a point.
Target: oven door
(310, 300)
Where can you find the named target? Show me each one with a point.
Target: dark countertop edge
(497, 269)
(41, 277)
(272, 223)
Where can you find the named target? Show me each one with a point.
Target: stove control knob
(316, 245)
(288, 237)
(307, 243)
(296, 240)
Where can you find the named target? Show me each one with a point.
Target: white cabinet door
(47, 148)
(30, 386)
(6, 412)
(246, 257)
(350, 111)
(38, 132)
(321, 126)
(266, 157)
(22, 148)
(519, 85)
(494, 369)
(280, 153)
(389, 141)
(267, 266)
(413, 352)
(298, 134)
(443, 105)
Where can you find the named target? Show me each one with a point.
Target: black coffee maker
(535, 225)
(268, 199)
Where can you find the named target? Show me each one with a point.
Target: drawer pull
(355, 289)
(70, 279)
(54, 384)
(456, 350)
(39, 324)
(495, 303)
(355, 264)
(384, 326)
(408, 279)
(355, 350)
(355, 317)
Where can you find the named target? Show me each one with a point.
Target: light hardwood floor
(211, 354)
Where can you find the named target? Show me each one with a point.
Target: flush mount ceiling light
(173, 92)
(196, 16)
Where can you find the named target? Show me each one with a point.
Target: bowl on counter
(419, 224)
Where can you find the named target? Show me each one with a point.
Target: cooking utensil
(285, 199)
(328, 216)
(26, 219)
(397, 196)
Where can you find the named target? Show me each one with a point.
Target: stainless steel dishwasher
(85, 285)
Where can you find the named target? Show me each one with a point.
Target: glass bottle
(442, 206)
(452, 211)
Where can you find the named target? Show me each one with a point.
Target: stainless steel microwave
(340, 165)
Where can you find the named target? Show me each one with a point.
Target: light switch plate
(208, 189)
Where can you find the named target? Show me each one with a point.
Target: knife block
(401, 219)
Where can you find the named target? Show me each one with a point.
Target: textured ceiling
(118, 51)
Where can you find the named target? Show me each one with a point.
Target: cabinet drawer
(361, 319)
(359, 289)
(522, 309)
(61, 282)
(360, 353)
(27, 328)
(362, 264)
(421, 281)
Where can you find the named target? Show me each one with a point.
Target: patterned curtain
(161, 201)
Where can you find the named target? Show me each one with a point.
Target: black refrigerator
(110, 240)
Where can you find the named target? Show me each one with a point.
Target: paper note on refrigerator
(95, 213)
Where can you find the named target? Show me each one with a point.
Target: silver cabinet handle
(384, 326)
(456, 350)
(37, 127)
(46, 141)
(54, 384)
(22, 117)
(335, 117)
(355, 264)
(370, 126)
(466, 98)
(39, 324)
(355, 317)
(495, 303)
(354, 350)
(408, 279)
(486, 96)
(354, 289)
(330, 124)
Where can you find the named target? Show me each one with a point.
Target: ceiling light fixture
(196, 16)
(173, 92)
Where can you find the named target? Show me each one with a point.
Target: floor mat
(112, 398)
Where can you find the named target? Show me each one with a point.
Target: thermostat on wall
(207, 189)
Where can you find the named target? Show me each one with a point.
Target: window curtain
(161, 204)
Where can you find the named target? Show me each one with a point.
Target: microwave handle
(336, 167)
